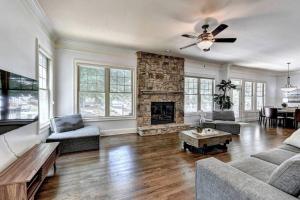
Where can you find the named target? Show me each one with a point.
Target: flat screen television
(19, 98)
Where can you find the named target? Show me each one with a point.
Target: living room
(149, 99)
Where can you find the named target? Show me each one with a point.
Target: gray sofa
(223, 121)
(251, 178)
(73, 135)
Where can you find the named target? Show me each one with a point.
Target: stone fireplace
(162, 112)
(160, 94)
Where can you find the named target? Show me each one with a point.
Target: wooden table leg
(204, 149)
(185, 146)
(54, 167)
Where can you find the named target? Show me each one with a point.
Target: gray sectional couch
(73, 135)
(270, 175)
(223, 121)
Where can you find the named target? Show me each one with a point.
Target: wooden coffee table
(203, 143)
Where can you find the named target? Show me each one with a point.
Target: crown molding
(253, 70)
(37, 11)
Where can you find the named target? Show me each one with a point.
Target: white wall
(201, 69)
(68, 51)
(19, 29)
(268, 77)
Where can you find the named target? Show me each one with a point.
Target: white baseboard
(249, 119)
(118, 131)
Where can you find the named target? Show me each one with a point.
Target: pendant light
(288, 87)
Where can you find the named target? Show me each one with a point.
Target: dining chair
(271, 116)
(296, 118)
(261, 117)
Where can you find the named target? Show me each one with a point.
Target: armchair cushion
(223, 115)
(87, 131)
(67, 123)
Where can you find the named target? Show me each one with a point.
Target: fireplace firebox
(162, 112)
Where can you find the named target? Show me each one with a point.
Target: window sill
(251, 111)
(44, 127)
(191, 114)
(103, 119)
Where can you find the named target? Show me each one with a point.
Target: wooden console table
(24, 177)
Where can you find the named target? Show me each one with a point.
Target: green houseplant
(222, 99)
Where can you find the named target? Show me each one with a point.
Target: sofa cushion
(257, 168)
(22, 139)
(290, 148)
(67, 123)
(287, 176)
(294, 139)
(223, 115)
(275, 156)
(6, 156)
(87, 131)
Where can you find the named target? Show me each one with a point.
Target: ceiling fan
(206, 39)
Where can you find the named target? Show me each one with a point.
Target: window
(105, 91)
(206, 92)
(92, 91)
(260, 95)
(44, 90)
(248, 96)
(191, 94)
(198, 94)
(236, 97)
(120, 92)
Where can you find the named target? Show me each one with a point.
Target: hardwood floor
(154, 167)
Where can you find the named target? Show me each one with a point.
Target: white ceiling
(268, 31)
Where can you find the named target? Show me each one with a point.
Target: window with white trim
(260, 95)
(248, 96)
(206, 94)
(44, 90)
(191, 94)
(105, 91)
(198, 94)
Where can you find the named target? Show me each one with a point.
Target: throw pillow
(67, 123)
(286, 177)
(294, 139)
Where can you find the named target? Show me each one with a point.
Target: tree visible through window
(260, 95)
(206, 92)
(248, 96)
(198, 94)
(105, 91)
(191, 94)
(120, 92)
(91, 91)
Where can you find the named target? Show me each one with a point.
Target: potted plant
(222, 99)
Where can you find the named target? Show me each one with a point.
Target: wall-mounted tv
(19, 98)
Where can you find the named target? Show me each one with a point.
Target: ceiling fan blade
(225, 39)
(189, 36)
(219, 29)
(190, 45)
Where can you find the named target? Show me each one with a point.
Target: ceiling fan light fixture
(205, 44)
